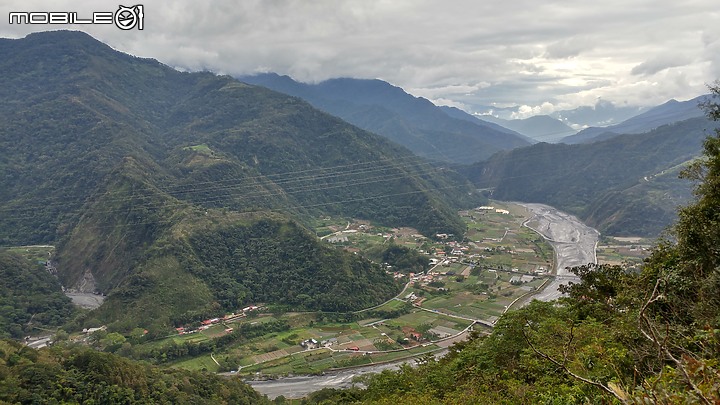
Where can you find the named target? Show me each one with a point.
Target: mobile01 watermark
(125, 18)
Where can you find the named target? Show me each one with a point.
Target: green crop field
(471, 280)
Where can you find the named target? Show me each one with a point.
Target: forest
(81, 375)
(29, 297)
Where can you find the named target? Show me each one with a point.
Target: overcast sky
(544, 55)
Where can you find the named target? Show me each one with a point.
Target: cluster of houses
(521, 279)
(423, 277)
(490, 209)
(414, 299)
(315, 344)
(207, 323)
(453, 252)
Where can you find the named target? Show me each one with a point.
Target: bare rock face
(87, 283)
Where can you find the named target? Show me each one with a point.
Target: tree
(679, 313)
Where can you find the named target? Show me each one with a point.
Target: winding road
(574, 244)
(300, 386)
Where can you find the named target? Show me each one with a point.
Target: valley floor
(573, 242)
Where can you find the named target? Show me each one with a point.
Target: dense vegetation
(620, 336)
(119, 161)
(404, 259)
(211, 263)
(85, 376)
(209, 140)
(278, 262)
(29, 297)
(626, 185)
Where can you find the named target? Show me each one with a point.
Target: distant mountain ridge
(460, 114)
(387, 110)
(602, 113)
(667, 113)
(540, 128)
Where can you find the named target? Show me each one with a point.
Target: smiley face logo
(127, 18)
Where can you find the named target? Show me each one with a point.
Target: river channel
(574, 244)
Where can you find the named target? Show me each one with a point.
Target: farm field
(467, 284)
(619, 250)
(451, 287)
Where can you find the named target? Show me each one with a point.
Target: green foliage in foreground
(29, 297)
(618, 336)
(85, 376)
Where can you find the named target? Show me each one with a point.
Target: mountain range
(667, 113)
(175, 193)
(602, 114)
(387, 110)
(625, 185)
(541, 128)
(182, 196)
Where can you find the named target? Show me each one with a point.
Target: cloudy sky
(543, 55)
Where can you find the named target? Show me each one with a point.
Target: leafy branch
(563, 365)
(650, 332)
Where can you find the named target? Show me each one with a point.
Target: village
(468, 284)
(487, 246)
(464, 285)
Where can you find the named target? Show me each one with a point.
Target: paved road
(298, 387)
(574, 244)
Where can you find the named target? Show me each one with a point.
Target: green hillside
(626, 185)
(29, 297)
(127, 165)
(85, 376)
(260, 149)
(413, 122)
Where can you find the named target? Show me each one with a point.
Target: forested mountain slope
(413, 122)
(667, 113)
(626, 185)
(120, 160)
(29, 297)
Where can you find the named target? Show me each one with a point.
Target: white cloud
(464, 52)
(450, 103)
(525, 111)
